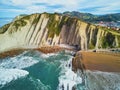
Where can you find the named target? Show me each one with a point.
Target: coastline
(84, 60)
(44, 49)
(53, 49)
(11, 53)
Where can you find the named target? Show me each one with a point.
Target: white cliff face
(82, 32)
(38, 30)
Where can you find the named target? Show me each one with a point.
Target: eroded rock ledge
(97, 61)
(44, 49)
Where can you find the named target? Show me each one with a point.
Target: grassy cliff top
(53, 24)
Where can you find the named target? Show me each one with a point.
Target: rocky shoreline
(44, 49)
(11, 53)
(82, 60)
(53, 49)
(98, 61)
(84, 63)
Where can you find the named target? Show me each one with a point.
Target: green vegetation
(91, 36)
(118, 38)
(70, 21)
(114, 32)
(53, 26)
(46, 14)
(83, 16)
(63, 21)
(104, 42)
(67, 21)
(107, 41)
(26, 17)
(92, 44)
(19, 23)
(94, 18)
(4, 28)
(35, 21)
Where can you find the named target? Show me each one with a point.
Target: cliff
(36, 30)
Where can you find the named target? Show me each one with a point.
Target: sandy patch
(101, 62)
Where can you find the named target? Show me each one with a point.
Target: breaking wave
(11, 68)
(68, 79)
(8, 75)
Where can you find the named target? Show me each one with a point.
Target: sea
(33, 70)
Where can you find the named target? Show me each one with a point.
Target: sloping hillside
(36, 30)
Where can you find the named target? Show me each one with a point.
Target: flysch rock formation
(36, 30)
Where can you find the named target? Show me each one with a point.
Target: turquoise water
(33, 70)
(39, 72)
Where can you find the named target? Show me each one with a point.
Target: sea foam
(8, 75)
(68, 79)
(18, 62)
(11, 68)
(48, 55)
